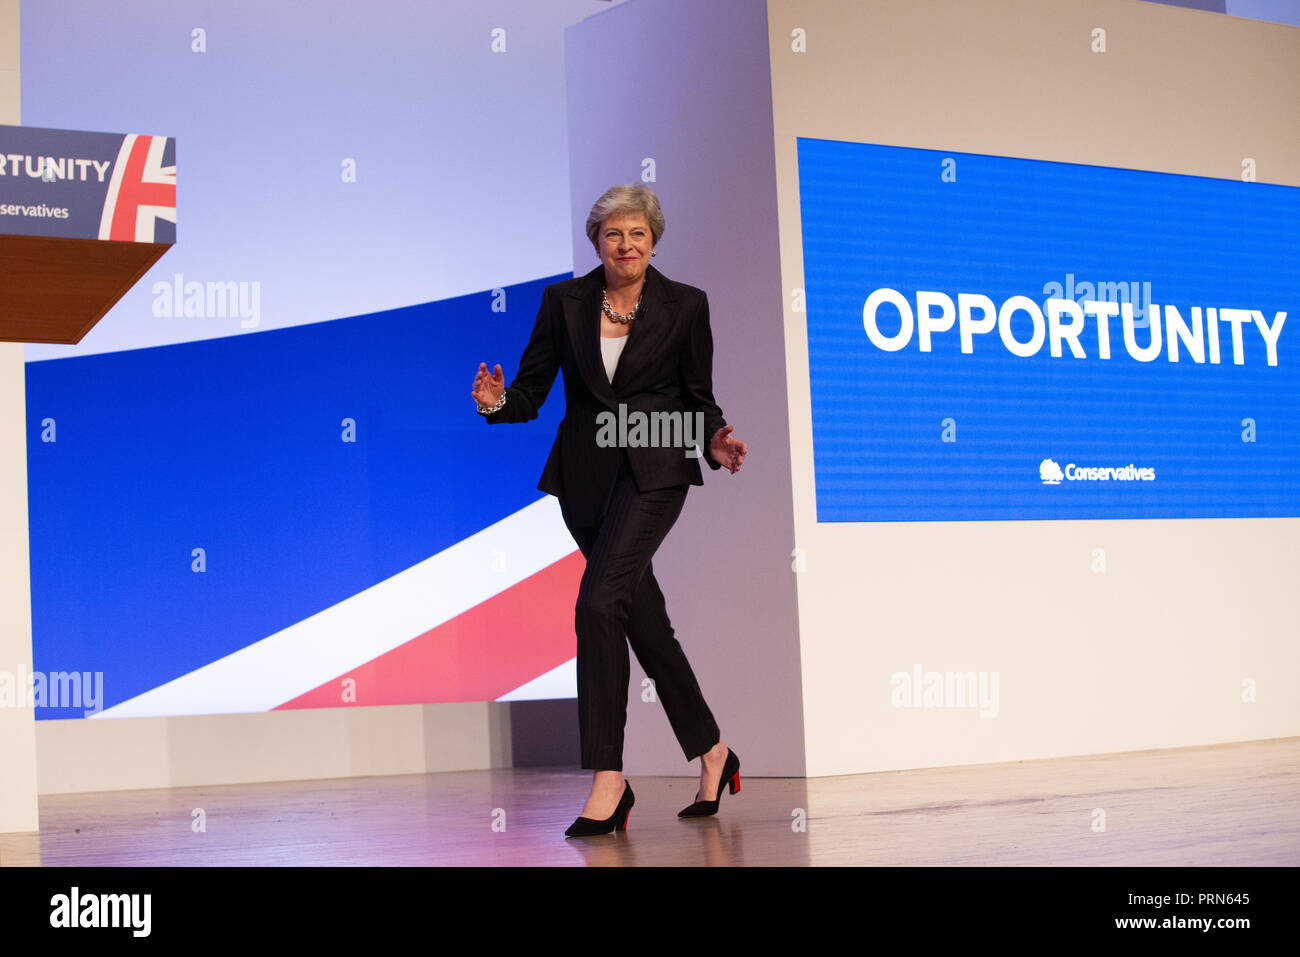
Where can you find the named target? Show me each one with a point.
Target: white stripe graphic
(560, 682)
(332, 642)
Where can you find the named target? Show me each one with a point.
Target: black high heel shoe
(730, 779)
(585, 826)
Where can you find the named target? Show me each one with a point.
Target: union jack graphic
(140, 192)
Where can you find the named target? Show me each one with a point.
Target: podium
(83, 215)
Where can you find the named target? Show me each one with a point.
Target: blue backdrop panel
(235, 446)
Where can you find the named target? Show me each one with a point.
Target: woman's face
(624, 243)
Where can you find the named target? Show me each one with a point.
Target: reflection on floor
(1233, 804)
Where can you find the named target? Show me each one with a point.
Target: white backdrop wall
(1153, 651)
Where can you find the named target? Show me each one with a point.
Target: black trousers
(619, 599)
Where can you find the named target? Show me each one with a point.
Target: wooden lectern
(82, 217)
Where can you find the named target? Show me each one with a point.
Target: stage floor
(1234, 805)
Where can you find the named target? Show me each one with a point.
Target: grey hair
(630, 199)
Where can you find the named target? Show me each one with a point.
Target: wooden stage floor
(1227, 805)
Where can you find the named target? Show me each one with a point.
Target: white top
(610, 350)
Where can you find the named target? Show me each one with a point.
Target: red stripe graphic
(493, 648)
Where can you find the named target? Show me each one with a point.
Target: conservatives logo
(1051, 474)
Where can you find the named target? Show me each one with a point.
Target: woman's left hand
(727, 450)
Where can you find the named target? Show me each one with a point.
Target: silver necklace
(618, 316)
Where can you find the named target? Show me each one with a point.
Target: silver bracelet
(486, 410)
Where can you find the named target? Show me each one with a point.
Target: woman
(630, 341)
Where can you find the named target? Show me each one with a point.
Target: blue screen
(982, 339)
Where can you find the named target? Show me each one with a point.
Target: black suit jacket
(666, 366)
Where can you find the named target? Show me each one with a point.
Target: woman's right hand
(488, 387)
